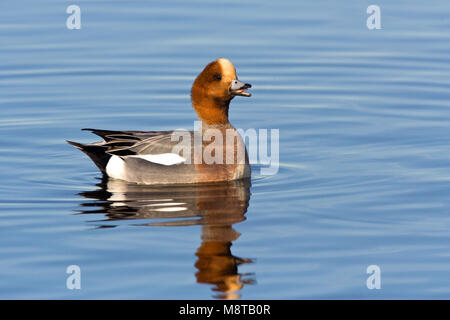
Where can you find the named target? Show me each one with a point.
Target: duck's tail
(96, 152)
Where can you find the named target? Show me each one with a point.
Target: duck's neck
(212, 112)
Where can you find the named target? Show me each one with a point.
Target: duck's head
(213, 90)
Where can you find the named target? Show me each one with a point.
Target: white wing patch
(167, 159)
(116, 166)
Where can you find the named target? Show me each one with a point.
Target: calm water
(364, 120)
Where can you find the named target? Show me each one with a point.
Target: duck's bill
(239, 88)
(241, 92)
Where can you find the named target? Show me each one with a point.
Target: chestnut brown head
(213, 90)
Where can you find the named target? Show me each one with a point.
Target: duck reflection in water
(216, 207)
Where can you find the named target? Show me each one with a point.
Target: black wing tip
(95, 152)
(75, 144)
(101, 133)
(95, 131)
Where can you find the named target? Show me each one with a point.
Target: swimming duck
(213, 152)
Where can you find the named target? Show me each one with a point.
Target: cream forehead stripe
(227, 68)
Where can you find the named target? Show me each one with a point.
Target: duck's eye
(217, 77)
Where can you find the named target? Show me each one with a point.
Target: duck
(214, 151)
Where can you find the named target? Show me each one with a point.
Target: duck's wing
(126, 143)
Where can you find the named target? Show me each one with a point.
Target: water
(364, 177)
